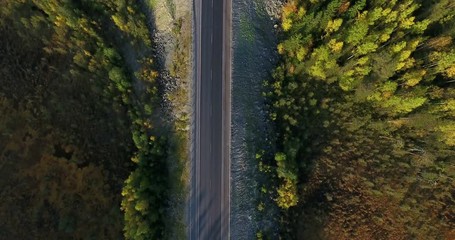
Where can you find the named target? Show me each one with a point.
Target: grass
(246, 29)
(179, 159)
(152, 4)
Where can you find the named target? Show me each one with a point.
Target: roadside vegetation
(82, 149)
(179, 99)
(363, 102)
(173, 35)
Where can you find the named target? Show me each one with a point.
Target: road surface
(210, 193)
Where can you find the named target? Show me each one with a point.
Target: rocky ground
(170, 21)
(254, 56)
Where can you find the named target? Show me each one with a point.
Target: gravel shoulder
(171, 24)
(254, 56)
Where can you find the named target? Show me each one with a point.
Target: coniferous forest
(364, 104)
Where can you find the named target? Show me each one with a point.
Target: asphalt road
(209, 203)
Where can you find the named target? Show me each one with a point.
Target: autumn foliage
(363, 103)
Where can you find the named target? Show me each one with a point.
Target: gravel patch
(175, 109)
(254, 57)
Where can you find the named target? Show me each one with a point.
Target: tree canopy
(363, 104)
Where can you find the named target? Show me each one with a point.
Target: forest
(82, 150)
(363, 100)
